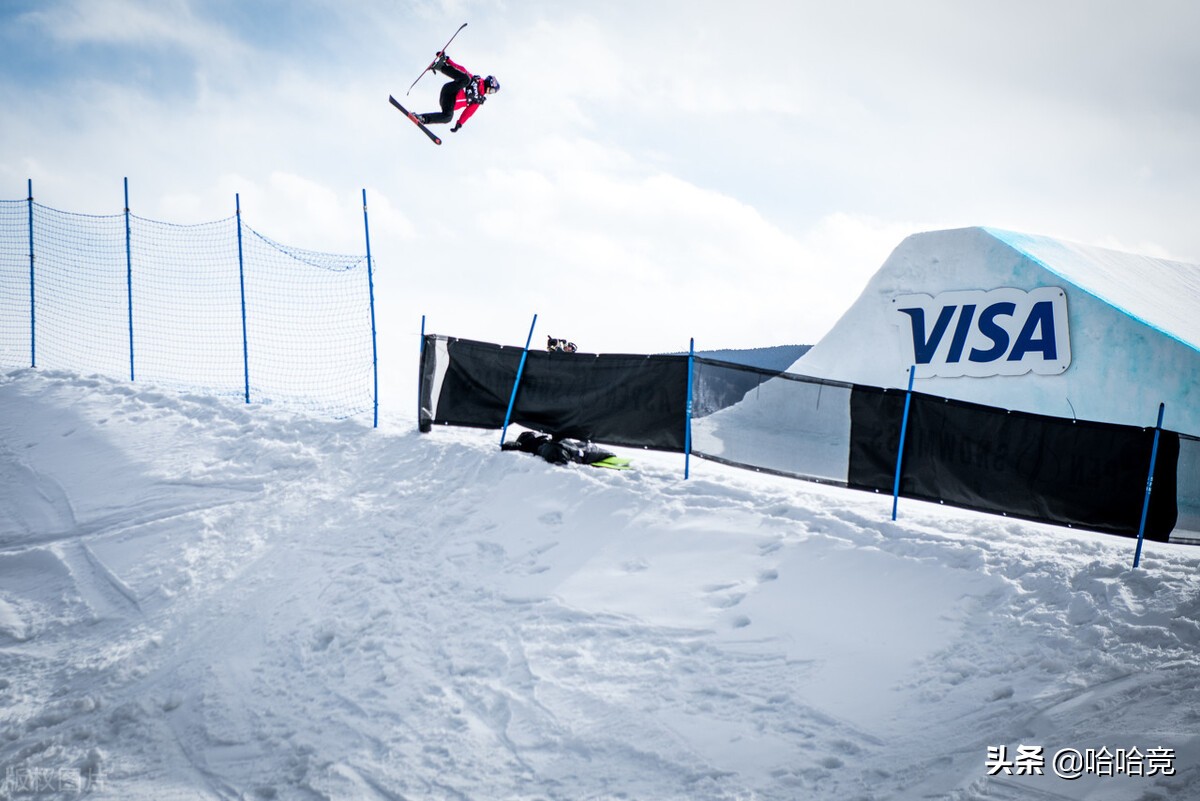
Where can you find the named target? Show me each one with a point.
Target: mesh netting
(128, 297)
(14, 283)
(187, 310)
(310, 313)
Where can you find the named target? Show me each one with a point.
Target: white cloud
(152, 23)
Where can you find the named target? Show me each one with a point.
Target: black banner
(632, 400)
(466, 383)
(1074, 473)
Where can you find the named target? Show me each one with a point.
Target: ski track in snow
(205, 600)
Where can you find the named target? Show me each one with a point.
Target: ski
(432, 136)
(443, 50)
(614, 463)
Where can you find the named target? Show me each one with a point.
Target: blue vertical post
(687, 431)
(32, 294)
(420, 372)
(903, 432)
(242, 287)
(1137, 555)
(517, 383)
(371, 289)
(129, 278)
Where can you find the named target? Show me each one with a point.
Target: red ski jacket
(471, 96)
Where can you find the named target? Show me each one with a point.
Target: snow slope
(206, 600)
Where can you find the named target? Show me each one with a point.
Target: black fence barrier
(632, 400)
(1066, 472)
(1072, 473)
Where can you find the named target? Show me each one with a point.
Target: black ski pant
(459, 81)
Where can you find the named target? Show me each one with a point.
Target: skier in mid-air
(463, 91)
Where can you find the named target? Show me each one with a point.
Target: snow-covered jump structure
(1026, 322)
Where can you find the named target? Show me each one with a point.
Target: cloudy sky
(650, 171)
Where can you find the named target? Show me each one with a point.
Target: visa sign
(985, 333)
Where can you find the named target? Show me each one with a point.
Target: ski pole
(443, 50)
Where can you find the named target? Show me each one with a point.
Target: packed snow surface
(201, 599)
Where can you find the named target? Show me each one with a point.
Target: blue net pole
(512, 399)
(129, 278)
(420, 371)
(1137, 554)
(32, 294)
(687, 431)
(237, 199)
(371, 292)
(900, 451)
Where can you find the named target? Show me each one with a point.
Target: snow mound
(201, 599)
